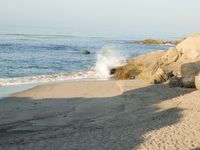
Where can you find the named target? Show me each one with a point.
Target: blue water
(24, 55)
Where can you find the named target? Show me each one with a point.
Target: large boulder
(188, 73)
(190, 59)
(189, 49)
(136, 65)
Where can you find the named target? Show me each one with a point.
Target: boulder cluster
(177, 66)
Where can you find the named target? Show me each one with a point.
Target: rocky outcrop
(190, 59)
(153, 74)
(156, 72)
(190, 49)
(179, 65)
(160, 42)
(136, 65)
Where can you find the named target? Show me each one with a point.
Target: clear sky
(110, 18)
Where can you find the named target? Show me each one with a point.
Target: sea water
(29, 59)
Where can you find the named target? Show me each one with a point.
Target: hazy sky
(120, 18)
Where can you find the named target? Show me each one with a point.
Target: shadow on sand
(115, 123)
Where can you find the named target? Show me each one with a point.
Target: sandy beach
(101, 115)
(99, 75)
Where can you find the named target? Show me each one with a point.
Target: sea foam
(48, 78)
(107, 59)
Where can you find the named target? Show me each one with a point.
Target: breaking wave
(48, 78)
(107, 59)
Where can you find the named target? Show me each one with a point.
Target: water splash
(107, 59)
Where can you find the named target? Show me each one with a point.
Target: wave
(107, 59)
(48, 78)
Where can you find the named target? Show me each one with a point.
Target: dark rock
(175, 82)
(112, 71)
(86, 52)
(188, 73)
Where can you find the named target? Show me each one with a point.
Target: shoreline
(9, 90)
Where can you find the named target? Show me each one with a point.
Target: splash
(107, 59)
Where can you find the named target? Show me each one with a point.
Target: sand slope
(133, 115)
(86, 89)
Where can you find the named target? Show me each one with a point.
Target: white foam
(107, 59)
(47, 78)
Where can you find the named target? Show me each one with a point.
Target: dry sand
(85, 89)
(101, 115)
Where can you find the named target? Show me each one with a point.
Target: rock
(189, 44)
(188, 73)
(145, 60)
(160, 76)
(86, 52)
(127, 72)
(147, 74)
(170, 56)
(152, 41)
(112, 71)
(190, 49)
(137, 65)
(179, 65)
(174, 67)
(197, 81)
(169, 61)
(175, 82)
(153, 74)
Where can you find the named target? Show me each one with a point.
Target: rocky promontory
(160, 42)
(176, 66)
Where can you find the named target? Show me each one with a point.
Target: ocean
(26, 58)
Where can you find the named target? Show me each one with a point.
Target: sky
(104, 18)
